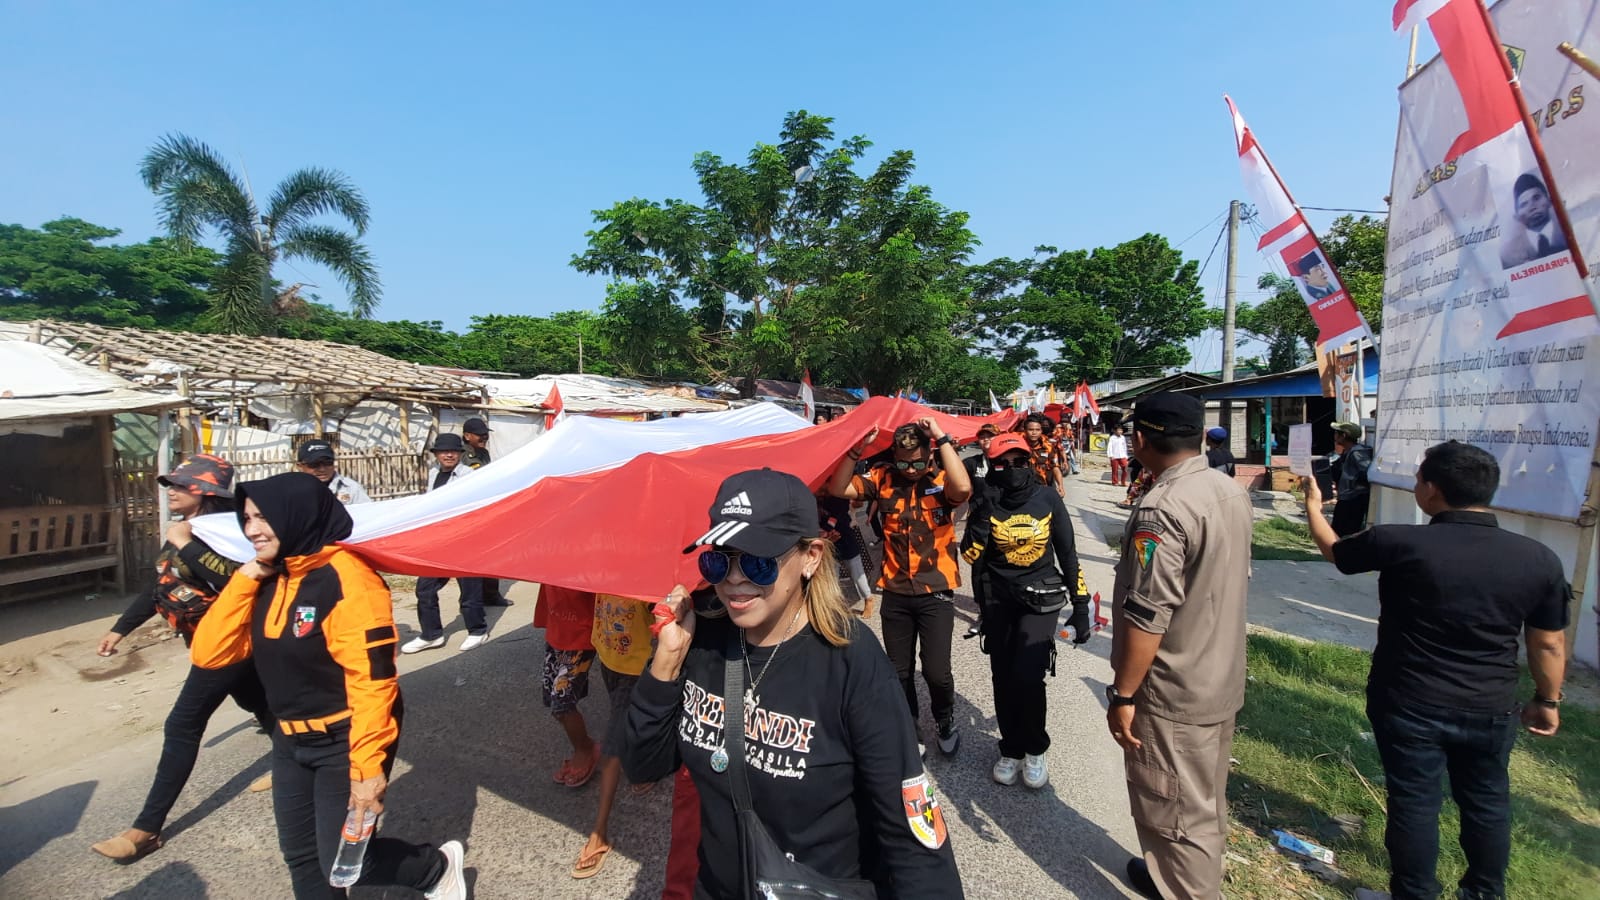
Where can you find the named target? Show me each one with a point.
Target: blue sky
(485, 134)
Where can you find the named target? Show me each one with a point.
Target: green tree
(197, 190)
(1113, 311)
(793, 261)
(530, 345)
(420, 342)
(1355, 247)
(67, 269)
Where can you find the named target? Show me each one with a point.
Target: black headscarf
(303, 513)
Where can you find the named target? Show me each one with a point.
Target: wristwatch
(1550, 704)
(943, 439)
(1116, 699)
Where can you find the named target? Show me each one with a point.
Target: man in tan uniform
(1177, 650)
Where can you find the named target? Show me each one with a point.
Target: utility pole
(1229, 300)
(580, 352)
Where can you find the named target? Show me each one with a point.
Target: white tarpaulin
(1489, 332)
(37, 382)
(577, 444)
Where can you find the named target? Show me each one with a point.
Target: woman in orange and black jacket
(319, 624)
(189, 575)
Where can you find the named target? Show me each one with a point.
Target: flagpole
(1536, 142)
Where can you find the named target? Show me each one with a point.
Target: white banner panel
(1489, 332)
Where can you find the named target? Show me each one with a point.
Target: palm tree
(198, 190)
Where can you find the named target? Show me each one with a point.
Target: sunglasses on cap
(913, 465)
(715, 565)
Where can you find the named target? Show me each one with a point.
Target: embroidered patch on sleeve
(305, 619)
(923, 813)
(1144, 545)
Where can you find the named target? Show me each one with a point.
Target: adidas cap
(760, 512)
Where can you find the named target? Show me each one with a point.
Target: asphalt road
(478, 750)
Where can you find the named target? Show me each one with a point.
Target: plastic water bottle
(352, 849)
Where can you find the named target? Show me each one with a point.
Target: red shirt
(567, 617)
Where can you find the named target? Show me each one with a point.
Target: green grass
(1280, 538)
(1275, 538)
(1305, 757)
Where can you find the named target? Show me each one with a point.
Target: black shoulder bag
(768, 873)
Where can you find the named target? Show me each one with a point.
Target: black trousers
(1021, 644)
(929, 620)
(1419, 746)
(471, 606)
(311, 799)
(202, 693)
(1350, 516)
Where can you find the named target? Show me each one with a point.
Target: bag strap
(733, 720)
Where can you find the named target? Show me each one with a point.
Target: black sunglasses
(715, 565)
(1006, 462)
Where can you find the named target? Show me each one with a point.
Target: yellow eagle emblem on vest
(1021, 539)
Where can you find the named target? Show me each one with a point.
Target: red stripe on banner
(1279, 232)
(1550, 314)
(1476, 66)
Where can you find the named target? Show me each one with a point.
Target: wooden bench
(38, 542)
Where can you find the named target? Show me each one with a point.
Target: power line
(1200, 229)
(1370, 212)
(1214, 245)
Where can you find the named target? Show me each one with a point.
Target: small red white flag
(558, 409)
(807, 397)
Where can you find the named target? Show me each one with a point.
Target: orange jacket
(323, 639)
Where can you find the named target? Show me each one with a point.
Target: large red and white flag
(1489, 330)
(1289, 235)
(807, 397)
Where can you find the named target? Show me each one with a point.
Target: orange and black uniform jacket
(323, 638)
(1043, 459)
(919, 532)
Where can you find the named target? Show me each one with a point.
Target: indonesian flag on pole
(807, 397)
(994, 402)
(1083, 398)
(558, 409)
(1289, 235)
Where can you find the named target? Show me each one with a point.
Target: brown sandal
(124, 849)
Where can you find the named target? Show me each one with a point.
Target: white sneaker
(419, 644)
(452, 885)
(473, 640)
(922, 750)
(1035, 774)
(1005, 771)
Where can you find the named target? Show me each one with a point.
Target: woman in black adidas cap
(829, 748)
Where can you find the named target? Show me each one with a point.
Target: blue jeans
(1421, 744)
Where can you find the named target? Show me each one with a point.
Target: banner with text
(1489, 331)
(1289, 236)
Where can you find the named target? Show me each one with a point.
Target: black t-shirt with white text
(831, 757)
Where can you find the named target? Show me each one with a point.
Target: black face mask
(1010, 479)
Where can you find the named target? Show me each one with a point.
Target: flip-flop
(564, 773)
(580, 777)
(639, 790)
(596, 863)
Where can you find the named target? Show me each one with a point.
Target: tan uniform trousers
(1178, 791)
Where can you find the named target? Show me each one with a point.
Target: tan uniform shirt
(1185, 574)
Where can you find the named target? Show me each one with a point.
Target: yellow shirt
(621, 633)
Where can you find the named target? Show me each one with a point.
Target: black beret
(1173, 415)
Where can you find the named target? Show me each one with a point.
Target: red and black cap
(761, 512)
(203, 475)
(1008, 443)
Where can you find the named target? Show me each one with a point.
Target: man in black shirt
(1442, 695)
(1351, 490)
